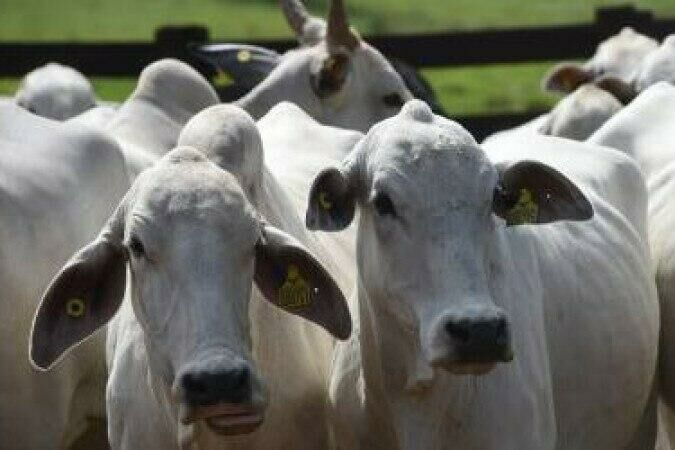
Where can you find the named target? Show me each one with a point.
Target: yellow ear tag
(525, 211)
(75, 307)
(244, 56)
(295, 292)
(324, 202)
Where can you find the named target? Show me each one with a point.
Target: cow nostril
(501, 332)
(458, 331)
(194, 383)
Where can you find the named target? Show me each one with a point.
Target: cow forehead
(425, 149)
(193, 191)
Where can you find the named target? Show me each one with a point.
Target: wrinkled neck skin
(410, 405)
(291, 355)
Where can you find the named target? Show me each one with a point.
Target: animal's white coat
(580, 297)
(58, 184)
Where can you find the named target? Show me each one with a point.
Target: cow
(643, 130)
(167, 95)
(209, 286)
(334, 76)
(504, 294)
(618, 57)
(58, 184)
(55, 91)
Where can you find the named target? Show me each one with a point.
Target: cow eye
(393, 100)
(383, 205)
(136, 247)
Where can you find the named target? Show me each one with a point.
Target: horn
(338, 33)
(296, 15)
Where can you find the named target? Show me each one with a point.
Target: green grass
(462, 91)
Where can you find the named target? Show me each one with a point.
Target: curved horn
(296, 15)
(338, 33)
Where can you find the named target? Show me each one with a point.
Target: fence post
(611, 20)
(173, 41)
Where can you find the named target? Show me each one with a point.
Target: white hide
(291, 356)
(147, 124)
(55, 91)
(658, 66)
(644, 131)
(579, 295)
(58, 184)
(581, 113)
(367, 79)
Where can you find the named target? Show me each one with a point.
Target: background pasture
(470, 90)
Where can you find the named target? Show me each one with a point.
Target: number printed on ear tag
(295, 292)
(324, 202)
(75, 307)
(525, 211)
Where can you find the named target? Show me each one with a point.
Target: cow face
(617, 58)
(334, 76)
(433, 209)
(193, 246)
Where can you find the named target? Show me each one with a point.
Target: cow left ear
(622, 91)
(530, 192)
(293, 280)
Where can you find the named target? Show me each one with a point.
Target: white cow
(147, 124)
(334, 76)
(502, 304)
(58, 184)
(196, 352)
(55, 91)
(658, 66)
(581, 113)
(644, 131)
(619, 56)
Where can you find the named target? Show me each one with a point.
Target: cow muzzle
(223, 392)
(471, 342)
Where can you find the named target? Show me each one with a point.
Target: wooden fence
(449, 49)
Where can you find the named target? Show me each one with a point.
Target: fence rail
(426, 50)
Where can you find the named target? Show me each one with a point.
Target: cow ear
(329, 74)
(292, 279)
(247, 64)
(332, 202)
(566, 78)
(530, 192)
(82, 297)
(622, 91)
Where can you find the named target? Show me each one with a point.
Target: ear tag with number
(525, 210)
(295, 292)
(244, 56)
(75, 307)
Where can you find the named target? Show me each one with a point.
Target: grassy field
(462, 91)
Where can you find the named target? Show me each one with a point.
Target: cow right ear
(566, 78)
(83, 297)
(332, 201)
(621, 90)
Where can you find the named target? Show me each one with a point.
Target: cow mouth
(226, 419)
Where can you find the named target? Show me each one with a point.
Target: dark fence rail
(426, 50)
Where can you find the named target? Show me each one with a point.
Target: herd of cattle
(327, 264)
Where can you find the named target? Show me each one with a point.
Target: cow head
(616, 59)
(334, 76)
(193, 247)
(433, 210)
